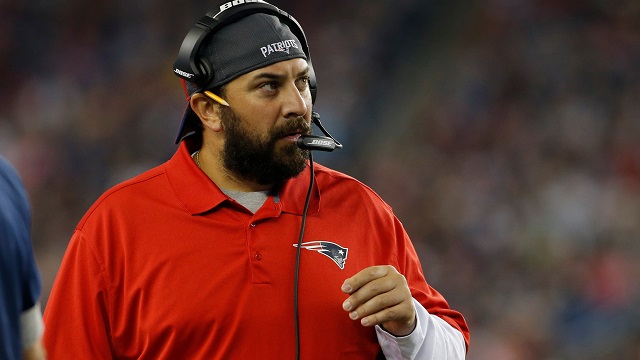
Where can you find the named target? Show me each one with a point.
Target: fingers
(366, 276)
(380, 295)
(378, 309)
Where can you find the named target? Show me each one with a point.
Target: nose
(294, 102)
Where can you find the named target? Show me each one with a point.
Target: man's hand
(380, 295)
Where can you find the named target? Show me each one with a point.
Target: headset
(195, 69)
(198, 70)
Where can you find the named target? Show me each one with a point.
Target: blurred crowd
(504, 133)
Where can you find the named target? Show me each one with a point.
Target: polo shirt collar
(293, 193)
(198, 194)
(193, 188)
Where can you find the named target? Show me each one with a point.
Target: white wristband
(31, 325)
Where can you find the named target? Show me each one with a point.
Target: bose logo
(321, 142)
(233, 3)
(183, 73)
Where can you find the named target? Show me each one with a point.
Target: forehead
(287, 68)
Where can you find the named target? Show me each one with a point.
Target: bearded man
(216, 254)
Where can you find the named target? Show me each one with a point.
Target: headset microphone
(315, 142)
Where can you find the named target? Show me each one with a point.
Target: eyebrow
(272, 76)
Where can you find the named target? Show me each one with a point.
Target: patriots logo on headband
(331, 250)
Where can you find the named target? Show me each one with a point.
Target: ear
(207, 111)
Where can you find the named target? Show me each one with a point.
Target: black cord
(297, 270)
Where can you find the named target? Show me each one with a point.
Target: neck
(234, 182)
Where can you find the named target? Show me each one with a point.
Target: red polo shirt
(165, 266)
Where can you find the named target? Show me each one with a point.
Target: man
(20, 316)
(197, 258)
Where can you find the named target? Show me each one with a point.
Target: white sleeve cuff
(31, 326)
(433, 338)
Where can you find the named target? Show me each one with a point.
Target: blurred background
(504, 133)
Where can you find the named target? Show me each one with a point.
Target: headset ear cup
(313, 85)
(314, 91)
(205, 68)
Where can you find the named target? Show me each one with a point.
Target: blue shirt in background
(20, 284)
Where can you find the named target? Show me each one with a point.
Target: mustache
(295, 125)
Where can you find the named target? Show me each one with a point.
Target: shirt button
(253, 224)
(257, 256)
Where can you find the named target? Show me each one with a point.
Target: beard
(259, 158)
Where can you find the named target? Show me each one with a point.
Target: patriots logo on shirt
(331, 250)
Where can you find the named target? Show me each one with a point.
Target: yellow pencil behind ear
(216, 98)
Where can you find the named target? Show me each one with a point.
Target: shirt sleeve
(15, 233)
(76, 316)
(433, 338)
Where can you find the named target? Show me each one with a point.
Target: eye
(269, 86)
(303, 83)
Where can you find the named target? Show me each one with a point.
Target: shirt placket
(259, 249)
